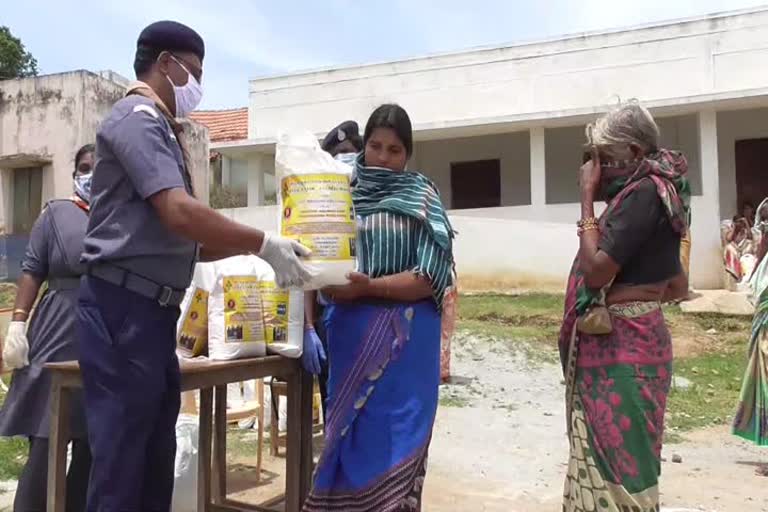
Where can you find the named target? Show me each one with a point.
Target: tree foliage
(15, 60)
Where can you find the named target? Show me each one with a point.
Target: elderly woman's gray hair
(630, 123)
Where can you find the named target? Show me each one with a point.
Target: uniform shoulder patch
(146, 108)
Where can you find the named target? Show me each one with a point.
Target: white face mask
(347, 158)
(189, 95)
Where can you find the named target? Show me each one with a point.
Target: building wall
(565, 146)
(520, 247)
(434, 158)
(52, 116)
(540, 80)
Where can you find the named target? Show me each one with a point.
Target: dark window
(27, 198)
(476, 184)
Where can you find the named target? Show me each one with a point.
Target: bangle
(21, 312)
(589, 222)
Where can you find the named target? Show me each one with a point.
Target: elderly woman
(751, 420)
(53, 256)
(615, 347)
(384, 332)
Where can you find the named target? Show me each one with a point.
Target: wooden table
(207, 376)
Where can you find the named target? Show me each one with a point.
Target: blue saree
(383, 392)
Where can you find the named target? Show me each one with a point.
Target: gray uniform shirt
(137, 156)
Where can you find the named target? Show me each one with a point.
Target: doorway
(751, 171)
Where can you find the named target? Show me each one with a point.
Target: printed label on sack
(274, 302)
(318, 213)
(243, 317)
(194, 329)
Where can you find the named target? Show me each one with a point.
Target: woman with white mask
(52, 257)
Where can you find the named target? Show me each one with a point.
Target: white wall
(504, 248)
(565, 146)
(434, 158)
(677, 60)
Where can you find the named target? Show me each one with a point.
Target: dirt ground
(499, 445)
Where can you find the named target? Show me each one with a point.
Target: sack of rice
(249, 315)
(315, 207)
(192, 327)
(283, 313)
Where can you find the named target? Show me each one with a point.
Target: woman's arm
(208, 253)
(310, 299)
(761, 252)
(676, 289)
(597, 266)
(28, 286)
(403, 287)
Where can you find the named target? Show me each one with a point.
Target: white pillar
(706, 250)
(256, 168)
(538, 168)
(226, 171)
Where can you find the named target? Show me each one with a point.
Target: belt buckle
(166, 294)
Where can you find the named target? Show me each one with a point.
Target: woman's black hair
(88, 148)
(395, 118)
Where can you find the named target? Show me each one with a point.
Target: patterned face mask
(82, 185)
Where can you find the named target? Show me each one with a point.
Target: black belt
(64, 283)
(164, 295)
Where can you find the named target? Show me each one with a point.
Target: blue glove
(313, 354)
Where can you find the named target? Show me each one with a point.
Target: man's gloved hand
(16, 347)
(313, 354)
(283, 256)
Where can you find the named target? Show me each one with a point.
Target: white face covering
(347, 158)
(189, 95)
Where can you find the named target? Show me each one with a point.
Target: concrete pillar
(256, 167)
(226, 171)
(538, 168)
(706, 249)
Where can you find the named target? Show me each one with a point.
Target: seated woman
(383, 332)
(615, 346)
(739, 252)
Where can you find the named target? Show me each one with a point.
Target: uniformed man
(145, 233)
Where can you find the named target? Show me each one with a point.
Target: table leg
(220, 446)
(204, 451)
(299, 443)
(57, 447)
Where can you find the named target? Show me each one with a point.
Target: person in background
(751, 419)
(145, 234)
(748, 213)
(615, 346)
(52, 257)
(383, 332)
(343, 143)
(739, 251)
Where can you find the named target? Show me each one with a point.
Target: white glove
(16, 348)
(283, 256)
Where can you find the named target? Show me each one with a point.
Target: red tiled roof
(223, 125)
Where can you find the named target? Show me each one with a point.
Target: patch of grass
(710, 349)
(13, 454)
(453, 401)
(714, 393)
(530, 317)
(7, 295)
(242, 443)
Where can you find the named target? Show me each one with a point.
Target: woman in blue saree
(383, 332)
